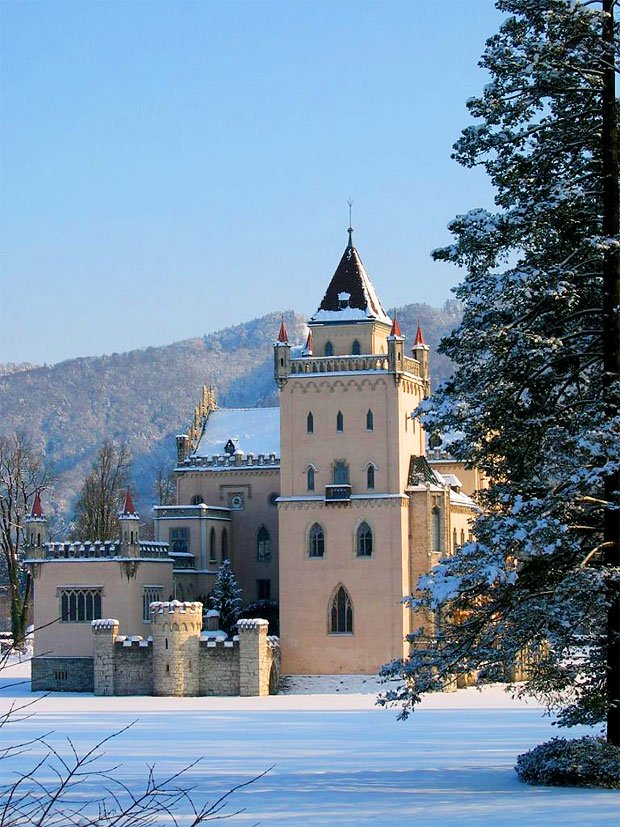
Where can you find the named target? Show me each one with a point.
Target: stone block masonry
(179, 659)
(62, 674)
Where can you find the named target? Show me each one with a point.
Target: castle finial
(419, 337)
(395, 331)
(350, 230)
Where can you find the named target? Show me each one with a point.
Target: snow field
(337, 760)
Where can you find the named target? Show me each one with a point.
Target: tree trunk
(611, 362)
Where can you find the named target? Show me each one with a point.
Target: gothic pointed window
(224, 544)
(370, 421)
(310, 423)
(316, 541)
(356, 349)
(363, 540)
(329, 349)
(263, 545)
(436, 516)
(339, 422)
(341, 473)
(370, 477)
(310, 478)
(341, 613)
(212, 547)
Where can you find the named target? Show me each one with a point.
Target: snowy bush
(580, 762)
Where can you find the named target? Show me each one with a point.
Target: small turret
(282, 356)
(309, 346)
(183, 448)
(36, 528)
(130, 527)
(421, 352)
(396, 346)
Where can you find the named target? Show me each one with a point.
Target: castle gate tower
(347, 437)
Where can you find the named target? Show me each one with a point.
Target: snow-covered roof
(350, 295)
(251, 430)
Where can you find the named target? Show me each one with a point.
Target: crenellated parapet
(180, 659)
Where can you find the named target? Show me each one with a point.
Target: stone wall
(219, 667)
(180, 660)
(70, 674)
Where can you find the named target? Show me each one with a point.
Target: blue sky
(171, 167)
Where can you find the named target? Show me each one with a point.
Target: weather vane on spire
(350, 230)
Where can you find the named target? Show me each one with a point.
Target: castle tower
(421, 352)
(130, 527)
(176, 628)
(36, 528)
(281, 356)
(346, 441)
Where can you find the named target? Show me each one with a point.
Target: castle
(327, 505)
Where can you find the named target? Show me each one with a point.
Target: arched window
(263, 545)
(225, 544)
(436, 529)
(196, 499)
(356, 349)
(454, 540)
(310, 478)
(310, 423)
(329, 349)
(370, 421)
(339, 422)
(341, 473)
(341, 614)
(363, 540)
(316, 541)
(212, 547)
(462, 536)
(370, 477)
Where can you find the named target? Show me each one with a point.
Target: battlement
(181, 660)
(345, 364)
(110, 549)
(237, 460)
(176, 607)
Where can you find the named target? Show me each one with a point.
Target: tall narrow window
(339, 422)
(263, 545)
(310, 423)
(316, 541)
(212, 547)
(363, 540)
(341, 473)
(341, 613)
(329, 349)
(225, 544)
(356, 349)
(436, 529)
(310, 478)
(462, 536)
(370, 477)
(370, 421)
(454, 540)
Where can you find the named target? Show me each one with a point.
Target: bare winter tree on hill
(96, 510)
(536, 388)
(23, 473)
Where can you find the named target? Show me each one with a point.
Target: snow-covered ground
(337, 759)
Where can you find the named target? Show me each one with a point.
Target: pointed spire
(395, 331)
(283, 335)
(350, 230)
(37, 508)
(128, 506)
(309, 348)
(419, 337)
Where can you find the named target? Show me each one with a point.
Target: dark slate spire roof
(350, 295)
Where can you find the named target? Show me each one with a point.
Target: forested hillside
(145, 397)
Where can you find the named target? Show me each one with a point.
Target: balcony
(337, 493)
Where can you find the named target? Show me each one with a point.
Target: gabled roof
(251, 430)
(350, 295)
(421, 472)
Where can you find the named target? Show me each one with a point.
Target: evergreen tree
(226, 597)
(535, 393)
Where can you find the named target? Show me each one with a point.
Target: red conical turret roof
(128, 506)
(395, 331)
(283, 335)
(419, 337)
(309, 348)
(37, 508)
